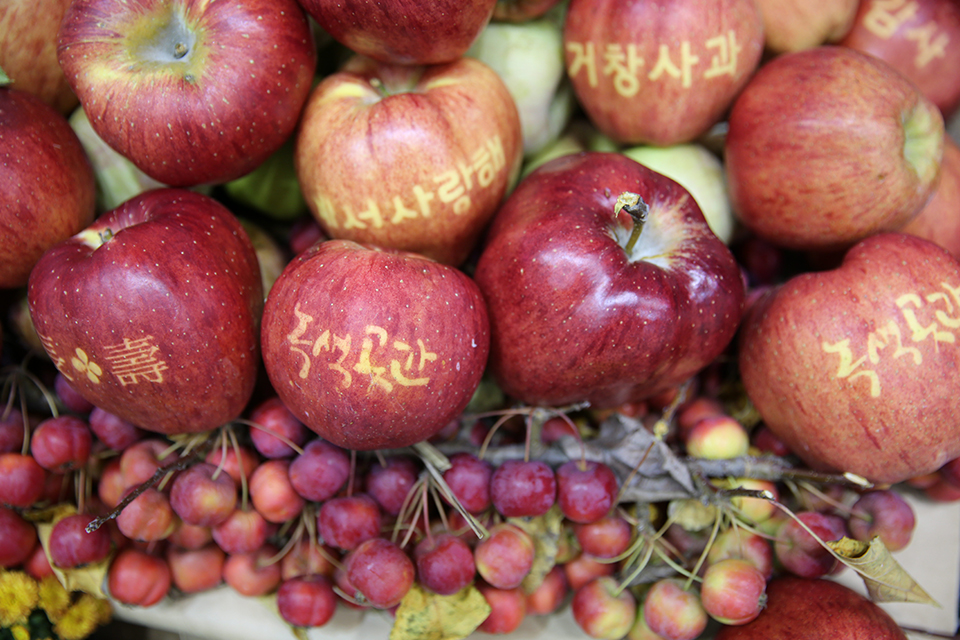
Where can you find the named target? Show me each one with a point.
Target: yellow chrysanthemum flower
(18, 597)
(20, 632)
(81, 619)
(53, 598)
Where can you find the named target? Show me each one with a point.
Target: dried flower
(18, 597)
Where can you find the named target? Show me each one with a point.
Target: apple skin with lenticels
(152, 312)
(416, 158)
(192, 92)
(856, 368)
(374, 348)
(576, 316)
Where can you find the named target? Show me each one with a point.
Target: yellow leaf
(545, 531)
(423, 615)
(885, 579)
(90, 578)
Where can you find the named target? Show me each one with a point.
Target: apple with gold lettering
(659, 72)
(407, 157)
(856, 368)
(152, 312)
(939, 220)
(604, 283)
(191, 92)
(374, 348)
(400, 32)
(856, 152)
(917, 38)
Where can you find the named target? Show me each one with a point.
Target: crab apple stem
(377, 84)
(634, 205)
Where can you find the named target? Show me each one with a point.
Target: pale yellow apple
(793, 25)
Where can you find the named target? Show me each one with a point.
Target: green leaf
(423, 615)
(885, 579)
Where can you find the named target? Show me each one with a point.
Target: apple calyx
(637, 209)
(166, 42)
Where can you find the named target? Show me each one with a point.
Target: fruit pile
(477, 310)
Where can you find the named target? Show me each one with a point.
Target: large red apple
(660, 71)
(816, 609)
(402, 32)
(373, 348)
(191, 91)
(857, 368)
(47, 186)
(575, 313)
(855, 150)
(919, 38)
(411, 158)
(28, 50)
(939, 220)
(152, 312)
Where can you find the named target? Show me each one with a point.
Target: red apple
(192, 92)
(400, 32)
(47, 187)
(660, 72)
(815, 609)
(577, 315)
(855, 368)
(28, 51)
(411, 158)
(152, 312)
(372, 348)
(939, 219)
(794, 25)
(856, 150)
(916, 37)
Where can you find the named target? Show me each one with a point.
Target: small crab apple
(884, 513)
(604, 610)
(716, 438)
(800, 553)
(381, 571)
(674, 612)
(521, 488)
(733, 591)
(445, 563)
(586, 490)
(505, 556)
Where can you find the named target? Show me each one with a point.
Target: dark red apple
(856, 150)
(47, 187)
(372, 348)
(660, 71)
(401, 32)
(919, 39)
(855, 368)
(192, 92)
(152, 312)
(411, 158)
(815, 609)
(575, 313)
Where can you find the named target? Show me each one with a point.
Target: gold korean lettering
(920, 332)
(665, 64)
(364, 364)
(135, 360)
(295, 337)
(330, 342)
(623, 65)
(848, 366)
(724, 61)
(884, 17)
(930, 44)
(940, 315)
(584, 57)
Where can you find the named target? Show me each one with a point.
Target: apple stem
(634, 205)
(377, 84)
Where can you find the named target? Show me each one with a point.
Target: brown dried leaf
(885, 579)
(423, 615)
